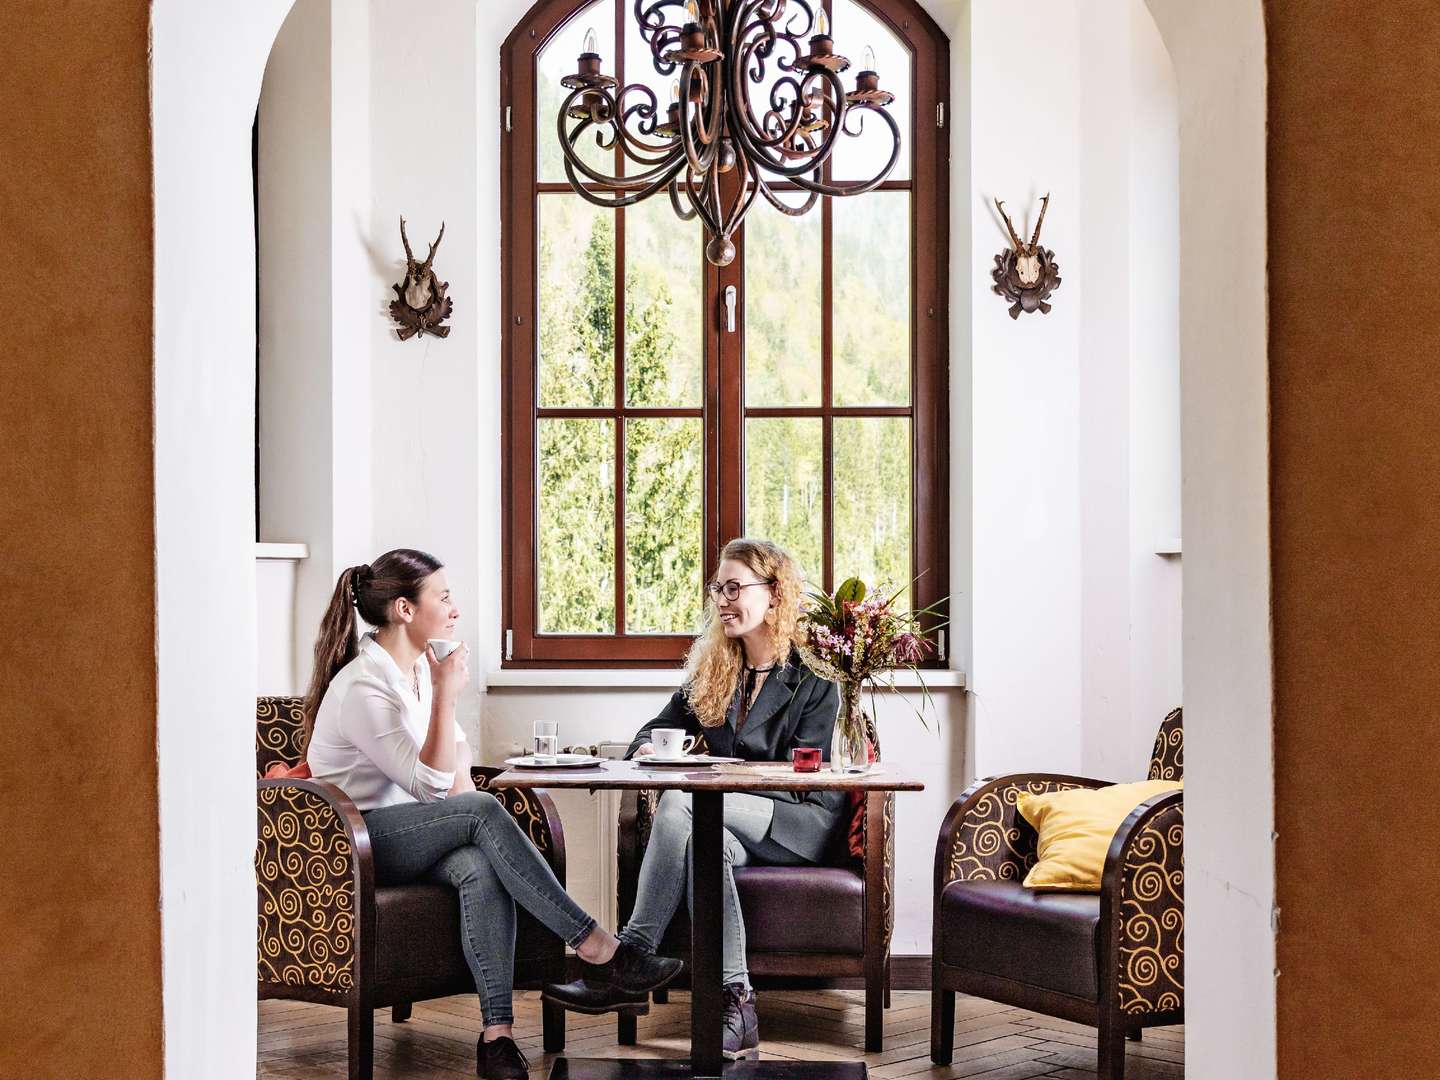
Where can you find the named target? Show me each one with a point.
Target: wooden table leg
(706, 934)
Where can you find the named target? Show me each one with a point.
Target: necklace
(751, 691)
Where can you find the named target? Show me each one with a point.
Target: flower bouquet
(853, 639)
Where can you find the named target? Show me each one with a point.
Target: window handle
(730, 308)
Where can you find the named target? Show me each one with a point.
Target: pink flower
(909, 649)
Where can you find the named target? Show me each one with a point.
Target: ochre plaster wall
(79, 886)
(1354, 228)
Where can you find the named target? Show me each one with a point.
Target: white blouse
(369, 730)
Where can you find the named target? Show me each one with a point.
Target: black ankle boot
(622, 984)
(587, 996)
(500, 1059)
(636, 971)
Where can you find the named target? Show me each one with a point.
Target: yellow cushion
(1076, 827)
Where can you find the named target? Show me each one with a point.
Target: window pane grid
(880, 485)
(644, 343)
(874, 482)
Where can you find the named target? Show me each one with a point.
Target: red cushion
(857, 810)
(280, 771)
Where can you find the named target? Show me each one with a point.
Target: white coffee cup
(671, 742)
(443, 646)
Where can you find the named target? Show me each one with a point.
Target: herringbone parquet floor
(993, 1042)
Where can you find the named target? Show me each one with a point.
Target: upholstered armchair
(1115, 959)
(786, 944)
(327, 933)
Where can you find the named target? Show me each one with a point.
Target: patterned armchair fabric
(985, 848)
(317, 927)
(1167, 760)
(309, 883)
(1148, 912)
(987, 838)
(279, 724)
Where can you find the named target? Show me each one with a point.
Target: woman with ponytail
(380, 725)
(747, 691)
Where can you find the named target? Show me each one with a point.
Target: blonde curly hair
(712, 667)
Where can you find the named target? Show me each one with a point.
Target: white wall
(367, 442)
(276, 585)
(1129, 456)
(1219, 55)
(1154, 384)
(1074, 621)
(1103, 460)
(1025, 383)
(296, 376)
(207, 60)
(315, 443)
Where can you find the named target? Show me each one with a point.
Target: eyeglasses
(732, 588)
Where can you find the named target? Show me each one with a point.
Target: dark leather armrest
(983, 836)
(534, 811)
(1142, 909)
(315, 885)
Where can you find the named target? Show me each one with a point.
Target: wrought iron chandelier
(722, 50)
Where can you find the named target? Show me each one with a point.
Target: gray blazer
(794, 708)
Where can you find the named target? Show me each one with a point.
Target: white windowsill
(661, 678)
(282, 551)
(1170, 546)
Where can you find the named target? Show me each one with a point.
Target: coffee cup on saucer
(671, 743)
(442, 647)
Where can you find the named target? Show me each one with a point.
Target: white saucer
(562, 761)
(686, 762)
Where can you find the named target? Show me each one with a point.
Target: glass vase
(847, 745)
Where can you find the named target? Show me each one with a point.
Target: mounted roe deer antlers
(420, 303)
(1026, 274)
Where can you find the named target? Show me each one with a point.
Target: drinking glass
(805, 758)
(547, 741)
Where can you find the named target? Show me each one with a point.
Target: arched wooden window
(642, 431)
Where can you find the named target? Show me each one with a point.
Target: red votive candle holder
(805, 758)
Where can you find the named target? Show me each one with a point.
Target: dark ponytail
(369, 590)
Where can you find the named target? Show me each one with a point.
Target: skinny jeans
(471, 843)
(666, 872)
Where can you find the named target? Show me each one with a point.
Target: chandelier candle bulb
(588, 63)
(867, 79)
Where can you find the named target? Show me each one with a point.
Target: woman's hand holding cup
(450, 675)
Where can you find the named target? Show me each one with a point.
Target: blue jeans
(665, 872)
(471, 843)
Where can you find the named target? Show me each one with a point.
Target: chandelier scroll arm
(822, 153)
(784, 207)
(859, 187)
(697, 200)
(665, 167)
(673, 189)
(618, 201)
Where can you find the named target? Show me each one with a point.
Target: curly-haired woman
(747, 691)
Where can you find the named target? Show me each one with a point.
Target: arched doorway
(206, 75)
